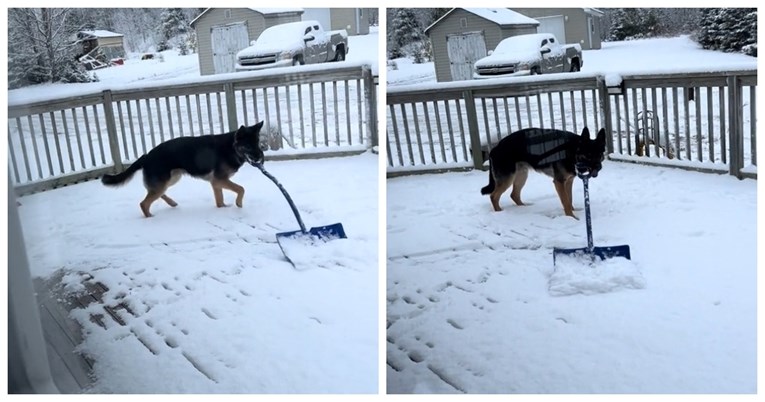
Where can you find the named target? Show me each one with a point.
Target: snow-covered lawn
(476, 305)
(215, 305)
(661, 55)
(171, 67)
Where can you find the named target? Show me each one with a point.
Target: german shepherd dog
(552, 152)
(214, 158)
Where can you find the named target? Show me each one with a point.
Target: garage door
(227, 41)
(464, 50)
(554, 25)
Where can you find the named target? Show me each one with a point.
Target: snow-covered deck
(475, 304)
(200, 299)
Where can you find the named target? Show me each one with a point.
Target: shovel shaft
(588, 218)
(286, 195)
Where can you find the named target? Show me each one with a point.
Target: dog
(214, 158)
(555, 153)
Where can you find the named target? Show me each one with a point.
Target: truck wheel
(535, 71)
(298, 60)
(340, 54)
(575, 66)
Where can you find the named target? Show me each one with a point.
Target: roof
(499, 16)
(267, 11)
(264, 11)
(100, 33)
(594, 11)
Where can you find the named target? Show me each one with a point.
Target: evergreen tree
(729, 30)
(405, 34)
(617, 31)
(404, 29)
(173, 22)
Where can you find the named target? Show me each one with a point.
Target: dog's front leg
(565, 198)
(218, 193)
(239, 190)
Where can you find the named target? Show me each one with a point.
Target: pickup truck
(529, 54)
(294, 43)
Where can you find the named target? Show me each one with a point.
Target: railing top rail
(557, 82)
(459, 86)
(20, 106)
(690, 74)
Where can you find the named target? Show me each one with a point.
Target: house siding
(255, 22)
(575, 25)
(449, 25)
(111, 41)
(345, 18)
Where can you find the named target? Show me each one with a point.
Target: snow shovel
(591, 251)
(322, 233)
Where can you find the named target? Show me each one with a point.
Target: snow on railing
(308, 112)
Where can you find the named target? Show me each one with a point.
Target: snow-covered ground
(216, 306)
(661, 55)
(476, 305)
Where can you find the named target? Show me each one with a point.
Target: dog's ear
(601, 136)
(586, 133)
(258, 127)
(240, 133)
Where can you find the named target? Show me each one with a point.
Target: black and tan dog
(552, 152)
(214, 158)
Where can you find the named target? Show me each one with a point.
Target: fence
(309, 113)
(702, 121)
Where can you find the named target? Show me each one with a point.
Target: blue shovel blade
(601, 252)
(320, 233)
(328, 232)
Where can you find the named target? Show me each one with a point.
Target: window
(307, 31)
(227, 14)
(463, 22)
(552, 40)
(315, 27)
(544, 42)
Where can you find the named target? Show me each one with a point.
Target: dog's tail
(488, 189)
(124, 177)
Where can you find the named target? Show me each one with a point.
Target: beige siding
(492, 32)
(255, 22)
(575, 25)
(364, 20)
(113, 41)
(272, 20)
(355, 20)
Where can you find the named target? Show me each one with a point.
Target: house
(354, 20)
(99, 47)
(462, 36)
(569, 25)
(223, 32)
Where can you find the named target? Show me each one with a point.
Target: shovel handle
(286, 195)
(588, 220)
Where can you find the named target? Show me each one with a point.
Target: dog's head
(590, 153)
(247, 143)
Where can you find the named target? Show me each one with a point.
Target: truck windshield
(517, 44)
(279, 33)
